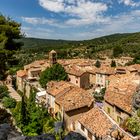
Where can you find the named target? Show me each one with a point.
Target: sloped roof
(54, 88)
(75, 98)
(21, 73)
(97, 122)
(121, 91)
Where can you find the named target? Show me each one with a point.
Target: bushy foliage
(36, 49)
(98, 64)
(113, 63)
(117, 51)
(133, 125)
(99, 97)
(31, 118)
(9, 31)
(3, 92)
(9, 102)
(56, 73)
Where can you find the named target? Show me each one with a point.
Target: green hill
(127, 44)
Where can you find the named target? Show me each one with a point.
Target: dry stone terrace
(74, 100)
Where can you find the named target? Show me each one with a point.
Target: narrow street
(13, 93)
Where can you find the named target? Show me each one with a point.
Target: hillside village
(75, 101)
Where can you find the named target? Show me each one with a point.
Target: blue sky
(73, 19)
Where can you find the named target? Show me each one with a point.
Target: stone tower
(52, 57)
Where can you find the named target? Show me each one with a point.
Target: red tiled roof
(75, 71)
(97, 122)
(106, 70)
(21, 73)
(121, 91)
(54, 88)
(75, 98)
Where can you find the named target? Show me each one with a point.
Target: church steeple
(53, 57)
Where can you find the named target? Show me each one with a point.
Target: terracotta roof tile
(73, 70)
(21, 73)
(54, 88)
(106, 70)
(97, 122)
(121, 91)
(75, 98)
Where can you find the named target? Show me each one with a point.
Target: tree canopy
(113, 63)
(56, 73)
(98, 64)
(9, 33)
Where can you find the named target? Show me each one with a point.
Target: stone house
(102, 76)
(96, 124)
(68, 100)
(72, 104)
(119, 96)
(78, 77)
(92, 75)
(123, 60)
(20, 76)
(55, 89)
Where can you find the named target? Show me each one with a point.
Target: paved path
(13, 93)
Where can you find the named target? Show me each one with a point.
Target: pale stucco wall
(92, 78)
(19, 83)
(82, 81)
(100, 79)
(109, 107)
(74, 80)
(50, 100)
(114, 114)
(85, 132)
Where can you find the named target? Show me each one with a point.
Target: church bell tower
(52, 57)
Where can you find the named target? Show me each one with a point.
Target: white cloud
(83, 12)
(130, 3)
(127, 22)
(52, 5)
(36, 20)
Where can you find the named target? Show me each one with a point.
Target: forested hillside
(115, 45)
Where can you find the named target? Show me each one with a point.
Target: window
(119, 119)
(90, 135)
(76, 81)
(82, 127)
(108, 110)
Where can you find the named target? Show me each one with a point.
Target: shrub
(3, 92)
(9, 102)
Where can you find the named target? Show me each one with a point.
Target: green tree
(99, 97)
(56, 73)
(9, 102)
(98, 64)
(133, 126)
(113, 63)
(23, 112)
(117, 51)
(9, 32)
(3, 92)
